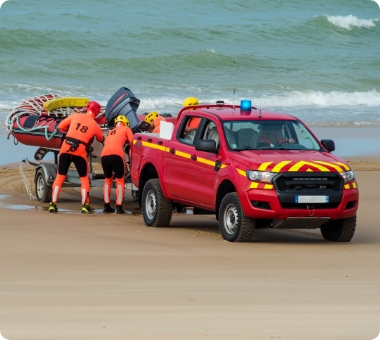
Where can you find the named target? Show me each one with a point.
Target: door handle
(193, 157)
(217, 166)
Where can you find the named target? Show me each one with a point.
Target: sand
(73, 276)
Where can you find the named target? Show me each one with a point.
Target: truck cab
(251, 168)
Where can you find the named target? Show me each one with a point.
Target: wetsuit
(157, 123)
(81, 130)
(113, 161)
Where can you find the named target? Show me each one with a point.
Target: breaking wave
(350, 21)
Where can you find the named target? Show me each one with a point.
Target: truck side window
(189, 130)
(210, 132)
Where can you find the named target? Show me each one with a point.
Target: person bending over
(113, 162)
(81, 128)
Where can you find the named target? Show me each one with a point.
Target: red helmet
(93, 108)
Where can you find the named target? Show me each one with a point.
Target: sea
(317, 60)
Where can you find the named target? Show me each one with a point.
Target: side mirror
(208, 145)
(328, 144)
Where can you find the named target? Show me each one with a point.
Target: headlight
(260, 176)
(348, 176)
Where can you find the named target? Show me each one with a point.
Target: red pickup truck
(251, 168)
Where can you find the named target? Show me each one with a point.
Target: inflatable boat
(35, 120)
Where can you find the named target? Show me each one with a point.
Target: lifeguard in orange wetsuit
(81, 128)
(194, 122)
(113, 162)
(156, 124)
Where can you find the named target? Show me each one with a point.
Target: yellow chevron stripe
(268, 186)
(254, 185)
(343, 165)
(263, 166)
(347, 186)
(241, 172)
(280, 165)
(354, 186)
(300, 164)
(336, 167)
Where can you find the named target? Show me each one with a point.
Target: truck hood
(289, 160)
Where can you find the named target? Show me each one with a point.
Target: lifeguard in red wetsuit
(81, 128)
(113, 162)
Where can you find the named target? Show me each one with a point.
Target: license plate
(312, 199)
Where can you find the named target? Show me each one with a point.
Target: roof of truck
(230, 112)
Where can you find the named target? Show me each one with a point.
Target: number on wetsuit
(83, 129)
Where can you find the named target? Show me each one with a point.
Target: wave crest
(350, 21)
(322, 99)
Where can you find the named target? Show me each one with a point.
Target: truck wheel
(43, 191)
(339, 230)
(234, 225)
(156, 209)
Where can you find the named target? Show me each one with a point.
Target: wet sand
(73, 276)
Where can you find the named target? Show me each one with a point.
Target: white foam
(322, 99)
(350, 21)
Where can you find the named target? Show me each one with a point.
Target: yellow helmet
(150, 117)
(122, 119)
(190, 101)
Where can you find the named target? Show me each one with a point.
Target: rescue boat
(35, 120)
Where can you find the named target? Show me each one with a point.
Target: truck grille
(289, 181)
(289, 185)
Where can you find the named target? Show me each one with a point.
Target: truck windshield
(270, 134)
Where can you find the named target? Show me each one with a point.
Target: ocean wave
(350, 21)
(322, 99)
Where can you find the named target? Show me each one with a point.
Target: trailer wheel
(234, 225)
(339, 230)
(43, 190)
(156, 209)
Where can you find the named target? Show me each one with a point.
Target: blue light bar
(245, 105)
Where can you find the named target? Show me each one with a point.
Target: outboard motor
(123, 102)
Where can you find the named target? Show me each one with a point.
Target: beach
(108, 276)
(73, 276)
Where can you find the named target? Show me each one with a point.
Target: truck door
(178, 159)
(202, 175)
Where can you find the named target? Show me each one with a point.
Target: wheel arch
(148, 172)
(224, 188)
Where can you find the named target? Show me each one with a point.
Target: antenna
(260, 103)
(233, 94)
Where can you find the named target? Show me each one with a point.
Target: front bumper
(266, 204)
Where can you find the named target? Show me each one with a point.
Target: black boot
(119, 209)
(108, 209)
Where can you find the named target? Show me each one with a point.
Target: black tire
(157, 210)
(339, 230)
(43, 190)
(234, 225)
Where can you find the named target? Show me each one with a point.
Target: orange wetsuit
(113, 161)
(81, 127)
(193, 123)
(157, 123)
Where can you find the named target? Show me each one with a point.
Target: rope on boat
(28, 187)
(35, 106)
(43, 127)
